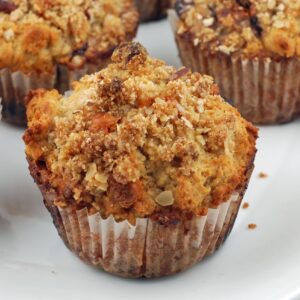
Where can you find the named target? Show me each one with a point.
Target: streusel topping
(253, 28)
(35, 35)
(139, 138)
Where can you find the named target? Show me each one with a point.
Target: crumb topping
(253, 28)
(252, 226)
(35, 35)
(138, 138)
(245, 205)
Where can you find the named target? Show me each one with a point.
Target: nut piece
(208, 22)
(180, 73)
(78, 61)
(102, 181)
(165, 198)
(224, 49)
(7, 6)
(92, 170)
(8, 35)
(281, 7)
(271, 4)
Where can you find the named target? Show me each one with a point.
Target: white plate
(258, 264)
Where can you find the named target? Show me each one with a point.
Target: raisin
(7, 6)
(180, 73)
(255, 25)
(134, 51)
(177, 162)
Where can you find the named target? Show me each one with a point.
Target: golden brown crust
(140, 138)
(251, 28)
(36, 35)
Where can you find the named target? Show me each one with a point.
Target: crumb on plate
(245, 205)
(252, 226)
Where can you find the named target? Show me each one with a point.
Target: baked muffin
(250, 47)
(153, 9)
(50, 43)
(140, 153)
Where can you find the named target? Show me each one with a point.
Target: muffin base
(14, 86)
(147, 249)
(152, 9)
(263, 90)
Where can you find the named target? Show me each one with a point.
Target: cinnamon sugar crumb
(252, 226)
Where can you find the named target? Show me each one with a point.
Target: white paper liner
(263, 90)
(147, 249)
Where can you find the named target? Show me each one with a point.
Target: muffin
(143, 167)
(152, 9)
(250, 47)
(47, 44)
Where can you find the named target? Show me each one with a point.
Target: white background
(253, 264)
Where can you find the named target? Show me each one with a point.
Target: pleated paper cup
(152, 9)
(148, 248)
(265, 91)
(14, 86)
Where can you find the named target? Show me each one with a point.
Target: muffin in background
(250, 47)
(48, 44)
(140, 154)
(153, 9)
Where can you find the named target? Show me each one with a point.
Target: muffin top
(139, 139)
(251, 28)
(35, 35)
